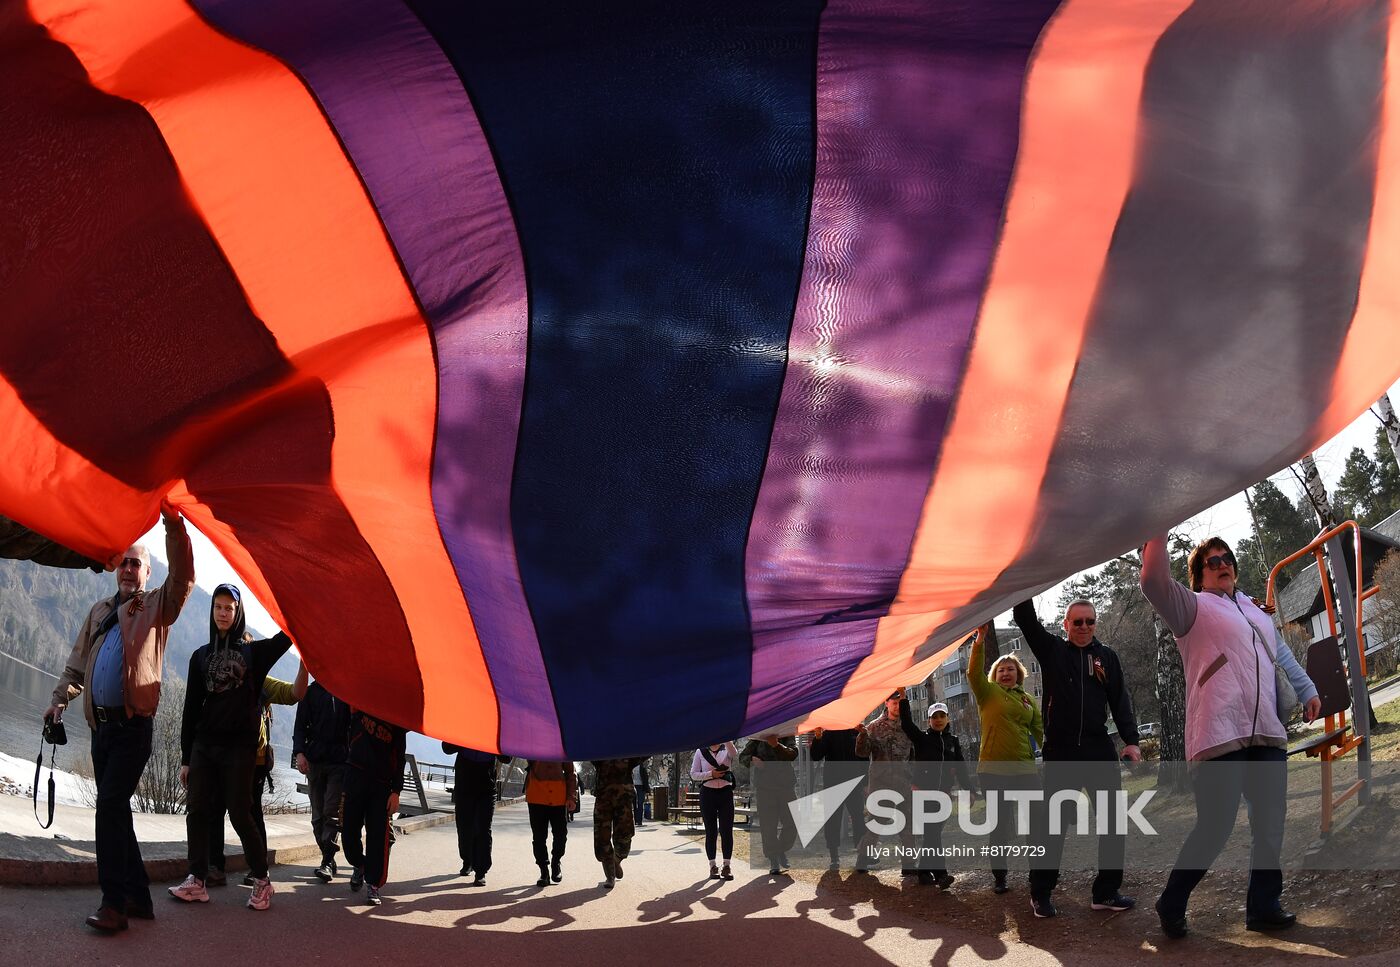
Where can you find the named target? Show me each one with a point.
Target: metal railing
(1335, 742)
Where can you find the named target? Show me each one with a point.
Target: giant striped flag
(602, 378)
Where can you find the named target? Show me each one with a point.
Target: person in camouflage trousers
(890, 752)
(613, 823)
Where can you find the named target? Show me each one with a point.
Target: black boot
(557, 871)
(544, 876)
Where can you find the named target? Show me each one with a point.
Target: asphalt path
(664, 913)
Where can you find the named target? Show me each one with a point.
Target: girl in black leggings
(711, 768)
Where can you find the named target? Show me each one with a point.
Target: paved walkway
(674, 915)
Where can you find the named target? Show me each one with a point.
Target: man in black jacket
(836, 748)
(318, 751)
(1083, 682)
(474, 799)
(938, 760)
(219, 741)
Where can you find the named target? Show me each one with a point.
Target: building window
(954, 678)
(1320, 626)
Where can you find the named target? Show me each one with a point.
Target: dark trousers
(1260, 775)
(717, 813)
(775, 825)
(853, 806)
(119, 752)
(639, 807)
(474, 814)
(933, 861)
(325, 786)
(366, 807)
(228, 772)
(1007, 812)
(217, 859)
(1092, 778)
(543, 819)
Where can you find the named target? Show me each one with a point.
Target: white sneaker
(191, 891)
(261, 897)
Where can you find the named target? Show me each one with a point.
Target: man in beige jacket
(116, 666)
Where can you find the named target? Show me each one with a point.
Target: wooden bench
(689, 810)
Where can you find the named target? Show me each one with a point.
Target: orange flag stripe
(273, 185)
(78, 503)
(1075, 163)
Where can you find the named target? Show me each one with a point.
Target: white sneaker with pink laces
(191, 891)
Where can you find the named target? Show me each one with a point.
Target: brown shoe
(107, 919)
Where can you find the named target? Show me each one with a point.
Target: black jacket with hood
(1082, 685)
(322, 727)
(933, 747)
(223, 690)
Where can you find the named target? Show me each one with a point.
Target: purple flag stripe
(918, 119)
(409, 128)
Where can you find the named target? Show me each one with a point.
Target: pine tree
(1283, 527)
(1355, 494)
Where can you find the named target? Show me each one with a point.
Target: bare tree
(1383, 611)
(1316, 492)
(160, 790)
(1386, 414)
(1172, 776)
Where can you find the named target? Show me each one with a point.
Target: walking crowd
(354, 762)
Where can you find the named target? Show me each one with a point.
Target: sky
(1228, 519)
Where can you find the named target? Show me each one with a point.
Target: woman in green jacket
(1005, 758)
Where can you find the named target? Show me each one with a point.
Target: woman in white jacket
(711, 767)
(1229, 649)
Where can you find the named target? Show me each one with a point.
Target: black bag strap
(38, 765)
(714, 764)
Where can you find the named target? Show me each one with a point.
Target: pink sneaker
(261, 897)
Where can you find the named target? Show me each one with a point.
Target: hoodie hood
(238, 629)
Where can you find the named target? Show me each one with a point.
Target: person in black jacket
(373, 780)
(219, 741)
(318, 751)
(474, 796)
(938, 761)
(1083, 682)
(836, 748)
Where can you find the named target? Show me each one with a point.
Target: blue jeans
(640, 804)
(120, 749)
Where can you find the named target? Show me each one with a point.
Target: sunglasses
(1084, 622)
(131, 562)
(1216, 561)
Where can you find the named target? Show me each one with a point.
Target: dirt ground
(1343, 912)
